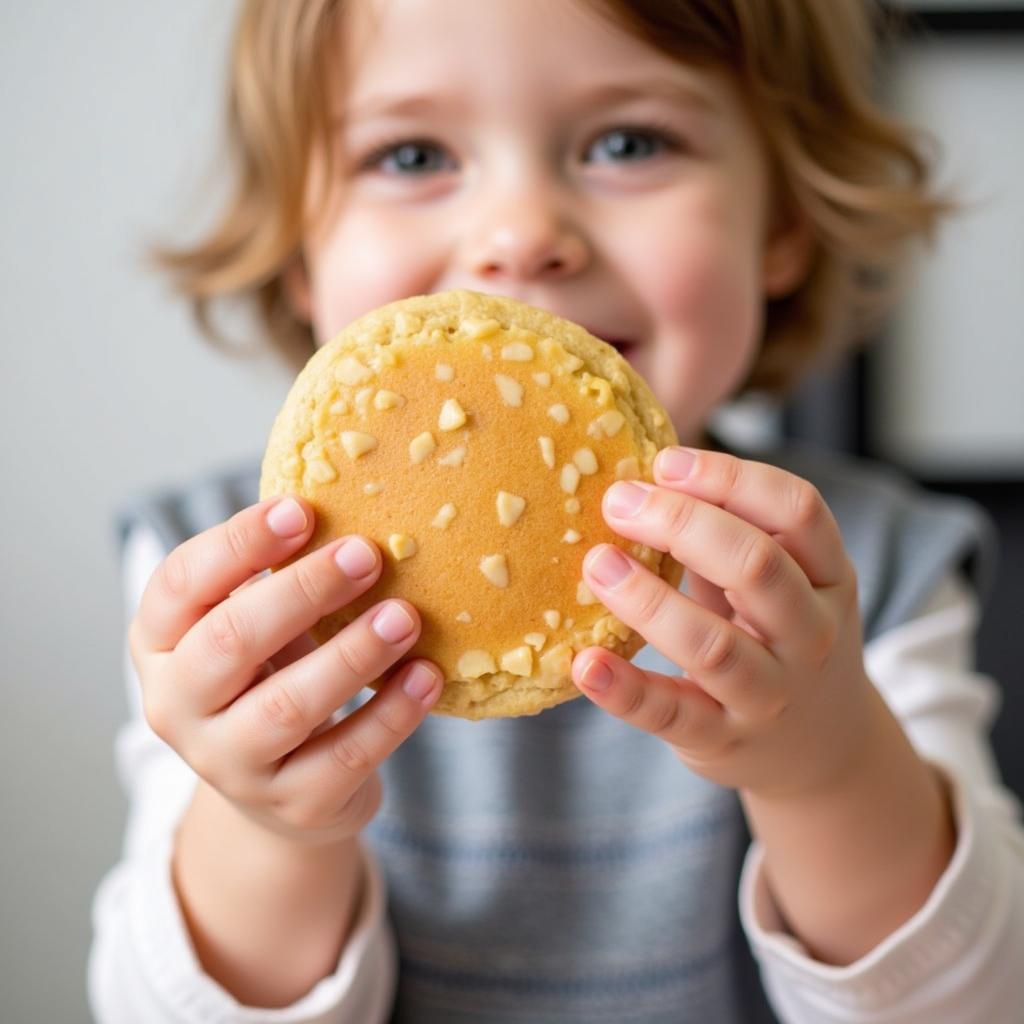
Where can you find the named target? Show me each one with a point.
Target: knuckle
(307, 584)
(238, 537)
(679, 515)
(651, 602)
(225, 633)
(634, 706)
(350, 755)
(761, 564)
(730, 470)
(717, 650)
(283, 709)
(808, 505)
(175, 575)
(393, 723)
(662, 717)
(355, 660)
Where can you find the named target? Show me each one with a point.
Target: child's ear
(296, 287)
(787, 254)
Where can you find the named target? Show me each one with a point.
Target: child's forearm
(848, 865)
(268, 918)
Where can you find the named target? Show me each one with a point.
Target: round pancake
(472, 438)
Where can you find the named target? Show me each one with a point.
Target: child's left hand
(774, 698)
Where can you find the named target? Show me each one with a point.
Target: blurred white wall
(950, 375)
(108, 112)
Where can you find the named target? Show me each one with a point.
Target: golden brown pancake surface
(472, 438)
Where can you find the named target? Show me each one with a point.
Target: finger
(250, 581)
(713, 598)
(330, 768)
(707, 594)
(675, 710)
(758, 576)
(203, 570)
(782, 504)
(725, 660)
(272, 719)
(292, 651)
(242, 632)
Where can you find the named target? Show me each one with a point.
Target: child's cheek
(705, 290)
(365, 263)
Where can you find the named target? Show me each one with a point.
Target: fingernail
(609, 566)
(355, 558)
(286, 518)
(392, 623)
(624, 499)
(420, 682)
(597, 676)
(675, 463)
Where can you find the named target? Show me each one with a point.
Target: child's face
(533, 149)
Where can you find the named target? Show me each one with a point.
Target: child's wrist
(268, 917)
(833, 760)
(266, 835)
(875, 767)
(852, 859)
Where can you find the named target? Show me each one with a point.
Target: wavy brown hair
(805, 68)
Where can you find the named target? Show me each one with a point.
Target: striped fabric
(585, 875)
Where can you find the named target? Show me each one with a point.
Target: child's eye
(629, 144)
(412, 157)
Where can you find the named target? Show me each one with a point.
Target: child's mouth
(624, 348)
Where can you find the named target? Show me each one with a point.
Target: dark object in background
(1001, 639)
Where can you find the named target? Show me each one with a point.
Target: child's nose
(526, 241)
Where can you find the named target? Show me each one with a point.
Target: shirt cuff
(949, 929)
(360, 989)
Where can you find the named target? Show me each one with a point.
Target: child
(709, 187)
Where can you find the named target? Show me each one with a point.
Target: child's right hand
(232, 681)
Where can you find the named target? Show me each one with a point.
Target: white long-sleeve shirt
(957, 961)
